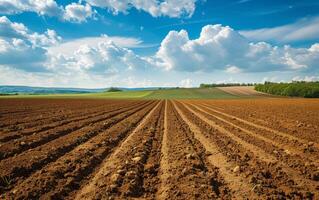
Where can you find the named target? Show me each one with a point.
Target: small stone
(236, 169)
(190, 156)
(137, 159)
(22, 143)
(310, 144)
(275, 152)
(184, 171)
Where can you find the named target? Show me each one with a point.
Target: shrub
(113, 89)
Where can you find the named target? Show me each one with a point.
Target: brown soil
(148, 149)
(243, 91)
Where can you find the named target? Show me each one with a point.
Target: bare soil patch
(152, 149)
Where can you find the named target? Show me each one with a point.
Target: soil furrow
(151, 178)
(164, 164)
(58, 179)
(238, 185)
(8, 136)
(290, 159)
(28, 142)
(31, 109)
(18, 167)
(290, 139)
(297, 118)
(296, 181)
(183, 173)
(149, 149)
(113, 175)
(52, 116)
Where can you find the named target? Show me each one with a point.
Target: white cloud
(219, 47)
(28, 57)
(77, 12)
(67, 48)
(23, 49)
(20, 54)
(105, 58)
(186, 83)
(32, 55)
(170, 8)
(10, 30)
(305, 29)
(233, 69)
(49, 38)
(74, 12)
(306, 78)
(42, 7)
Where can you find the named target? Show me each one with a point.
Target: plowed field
(159, 149)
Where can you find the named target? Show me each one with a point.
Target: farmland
(180, 93)
(159, 149)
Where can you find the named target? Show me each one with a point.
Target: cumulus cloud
(170, 8)
(12, 30)
(304, 29)
(23, 49)
(67, 47)
(222, 48)
(27, 58)
(106, 58)
(77, 12)
(42, 7)
(20, 54)
(25, 54)
(74, 12)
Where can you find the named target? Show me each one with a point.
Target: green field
(183, 93)
(193, 93)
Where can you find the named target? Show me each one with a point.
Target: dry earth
(151, 149)
(243, 91)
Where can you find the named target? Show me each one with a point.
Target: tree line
(209, 85)
(293, 89)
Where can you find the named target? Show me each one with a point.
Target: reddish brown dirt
(147, 149)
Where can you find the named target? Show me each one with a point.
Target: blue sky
(129, 43)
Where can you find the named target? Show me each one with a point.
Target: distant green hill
(8, 89)
(180, 93)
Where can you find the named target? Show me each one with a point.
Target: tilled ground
(151, 149)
